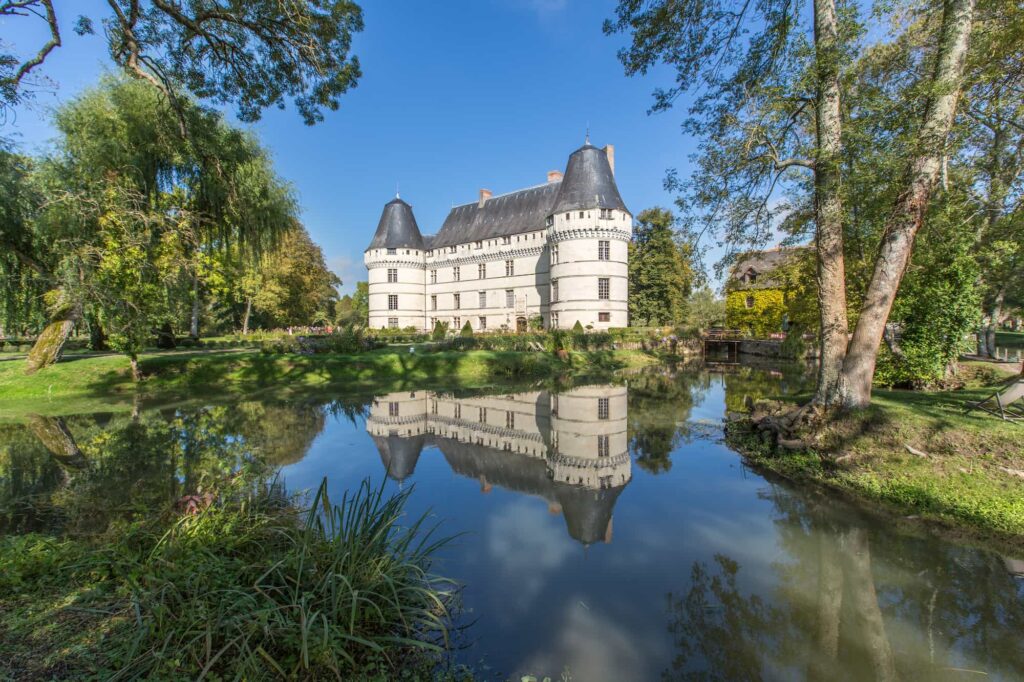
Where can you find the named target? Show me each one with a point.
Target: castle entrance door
(520, 325)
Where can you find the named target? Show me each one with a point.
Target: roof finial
(397, 194)
(587, 141)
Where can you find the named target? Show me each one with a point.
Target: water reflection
(569, 448)
(715, 572)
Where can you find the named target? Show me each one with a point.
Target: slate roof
(588, 183)
(764, 263)
(397, 228)
(500, 216)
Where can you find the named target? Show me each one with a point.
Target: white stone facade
(557, 251)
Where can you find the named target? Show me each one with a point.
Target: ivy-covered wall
(763, 318)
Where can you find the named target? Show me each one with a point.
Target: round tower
(396, 263)
(589, 229)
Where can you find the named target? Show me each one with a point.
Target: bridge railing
(723, 335)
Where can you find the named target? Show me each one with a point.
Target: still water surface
(607, 529)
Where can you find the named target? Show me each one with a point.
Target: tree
(254, 54)
(660, 276)
(217, 185)
(704, 310)
(361, 303)
(755, 115)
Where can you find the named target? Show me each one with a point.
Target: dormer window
(581, 215)
(392, 252)
(568, 216)
(506, 240)
(751, 276)
(550, 220)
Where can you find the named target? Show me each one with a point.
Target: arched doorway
(520, 325)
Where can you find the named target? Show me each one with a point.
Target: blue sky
(455, 96)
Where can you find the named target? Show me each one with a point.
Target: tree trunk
(864, 599)
(193, 327)
(97, 337)
(134, 360)
(49, 347)
(905, 220)
(828, 208)
(830, 601)
(55, 436)
(245, 318)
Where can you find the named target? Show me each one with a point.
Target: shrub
(440, 331)
(577, 328)
(467, 331)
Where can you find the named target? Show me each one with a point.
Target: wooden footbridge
(718, 340)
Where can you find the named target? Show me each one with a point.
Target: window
(457, 322)
(458, 406)
(604, 317)
(392, 252)
(751, 276)
(456, 274)
(554, 253)
(568, 216)
(392, 323)
(554, 320)
(433, 302)
(433, 322)
(510, 298)
(550, 220)
(457, 303)
(392, 409)
(482, 415)
(433, 407)
(483, 323)
(451, 249)
(750, 301)
(606, 214)
(506, 240)
(581, 215)
(602, 446)
(392, 275)
(554, 290)
(510, 268)
(554, 405)
(510, 420)
(602, 408)
(603, 249)
(603, 287)
(433, 276)
(478, 245)
(481, 271)
(483, 299)
(392, 301)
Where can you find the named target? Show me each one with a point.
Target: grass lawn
(969, 471)
(103, 383)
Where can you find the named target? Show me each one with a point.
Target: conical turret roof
(588, 182)
(397, 228)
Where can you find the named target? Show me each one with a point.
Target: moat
(604, 529)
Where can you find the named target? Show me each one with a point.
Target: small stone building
(768, 290)
(556, 252)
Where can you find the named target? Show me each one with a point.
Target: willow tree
(212, 190)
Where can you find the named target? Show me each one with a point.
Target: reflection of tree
(659, 406)
(145, 460)
(833, 610)
(762, 382)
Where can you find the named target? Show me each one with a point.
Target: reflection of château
(569, 448)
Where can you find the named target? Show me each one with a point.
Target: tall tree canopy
(660, 276)
(252, 54)
(782, 88)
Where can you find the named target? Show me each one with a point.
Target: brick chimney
(485, 194)
(609, 151)
(554, 176)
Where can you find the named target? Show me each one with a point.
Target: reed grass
(254, 587)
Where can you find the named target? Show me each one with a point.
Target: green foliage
(577, 328)
(440, 332)
(536, 323)
(938, 306)
(467, 331)
(255, 55)
(759, 312)
(660, 276)
(704, 310)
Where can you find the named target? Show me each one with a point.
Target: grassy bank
(242, 585)
(919, 455)
(79, 385)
